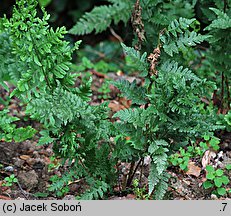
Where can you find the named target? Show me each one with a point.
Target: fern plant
(219, 54)
(165, 110)
(80, 133)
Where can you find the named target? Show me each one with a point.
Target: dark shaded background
(67, 12)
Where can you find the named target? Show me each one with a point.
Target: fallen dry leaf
(98, 74)
(131, 196)
(207, 158)
(4, 197)
(24, 157)
(115, 106)
(126, 103)
(193, 169)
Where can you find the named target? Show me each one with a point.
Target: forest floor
(30, 163)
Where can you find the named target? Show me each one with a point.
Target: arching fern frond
(100, 18)
(223, 21)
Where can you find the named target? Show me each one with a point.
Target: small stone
(20, 198)
(214, 197)
(9, 169)
(147, 160)
(69, 197)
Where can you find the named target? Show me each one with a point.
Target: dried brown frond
(137, 24)
(153, 59)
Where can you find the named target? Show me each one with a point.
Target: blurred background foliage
(67, 12)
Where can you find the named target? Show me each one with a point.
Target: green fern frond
(160, 19)
(59, 183)
(178, 37)
(131, 91)
(161, 187)
(157, 183)
(10, 65)
(96, 192)
(124, 150)
(223, 21)
(129, 115)
(153, 178)
(172, 68)
(57, 108)
(157, 150)
(139, 61)
(42, 50)
(178, 26)
(155, 145)
(84, 91)
(100, 18)
(160, 158)
(138, 117)
(219, 54)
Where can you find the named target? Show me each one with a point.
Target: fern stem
(225, 5)
(116, 35)
(118, 178)
(141, 172)
(222, 91)
(228, 91)
(132, 173)
(44, 72)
